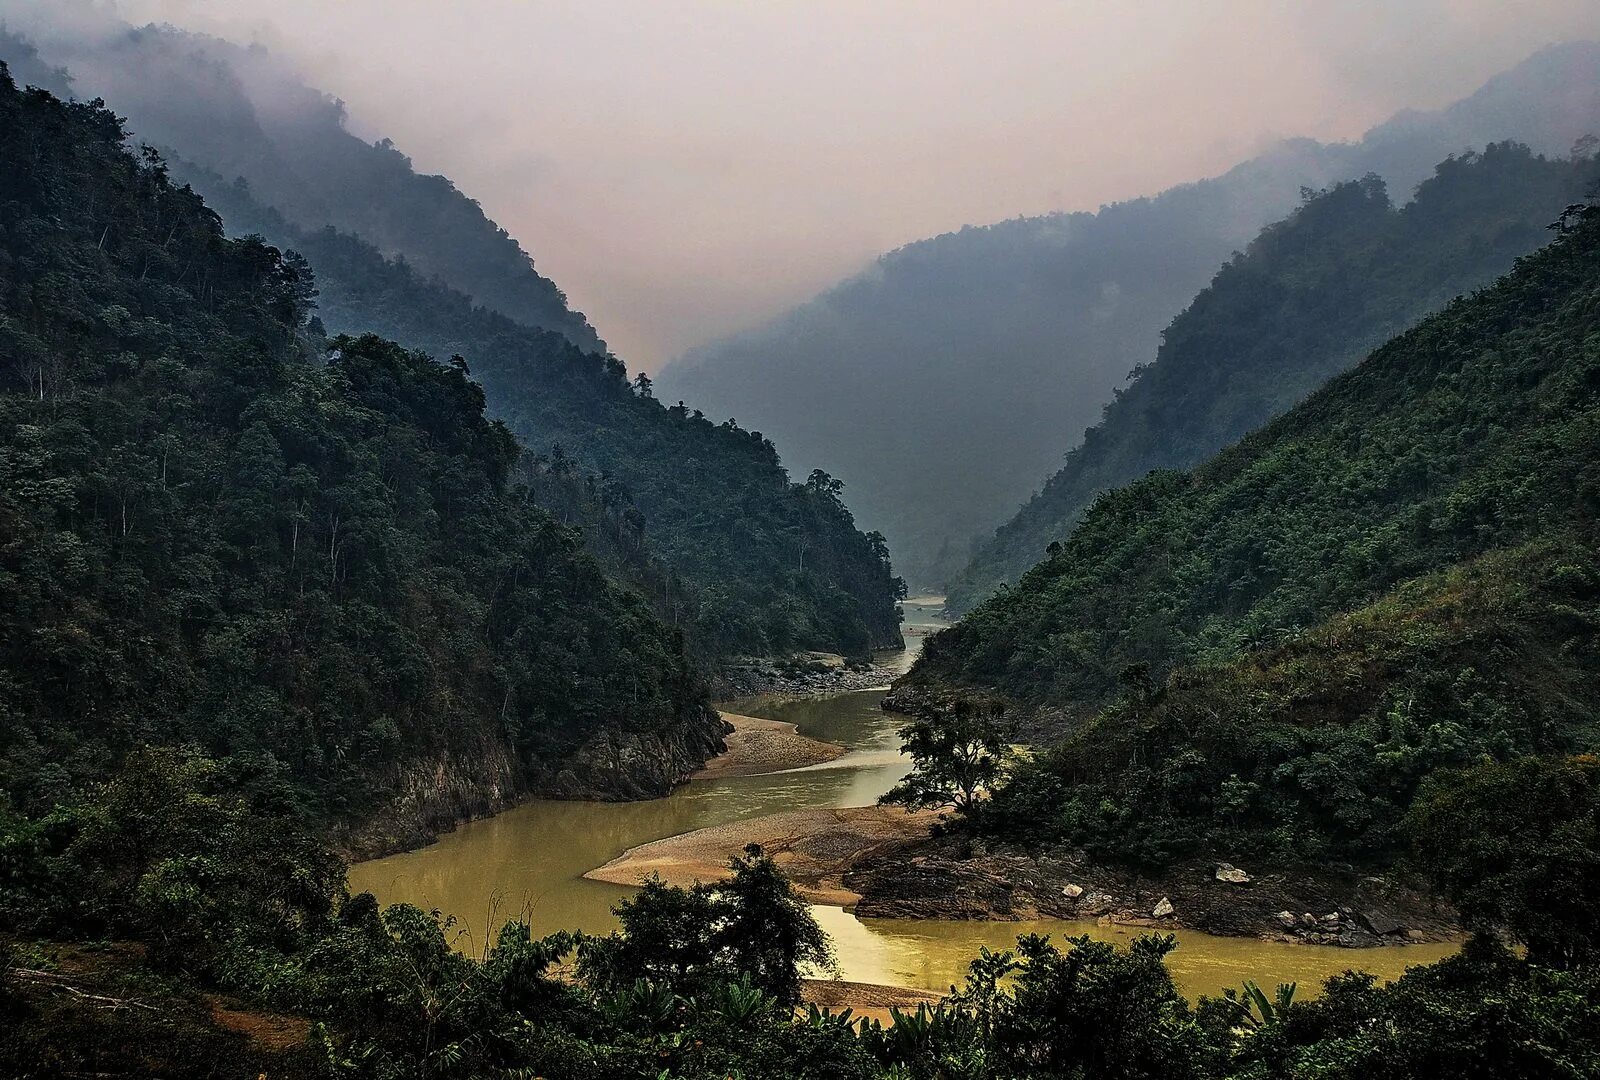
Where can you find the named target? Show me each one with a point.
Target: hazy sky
(684, 168)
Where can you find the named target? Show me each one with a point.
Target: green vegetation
(1309, 297)
(957, 754)
(170, 923)
(1316, 747)
(1271, 654)
(1516, 847)
(752, 930)
(754, 564)
(217, 529)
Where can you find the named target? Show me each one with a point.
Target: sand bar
(757, 746)
(813, 847)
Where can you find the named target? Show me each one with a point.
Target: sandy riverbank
(757, 746)
(864, 1000)
(813, 847)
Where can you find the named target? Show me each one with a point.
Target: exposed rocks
(806, 673)
(942, 878)
(1231, 874)
(436, 794)
(620, 765)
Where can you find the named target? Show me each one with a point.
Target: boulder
(1072, 892)
(1232, 874)
(1380, 921)
(1162, 910)
(1287, 920)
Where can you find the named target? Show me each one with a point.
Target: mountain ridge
(968, 363)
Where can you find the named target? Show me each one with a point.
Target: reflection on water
(933, 954)
(530, 861)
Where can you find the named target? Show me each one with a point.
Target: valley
(396, 682)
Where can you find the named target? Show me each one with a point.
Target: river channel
(529, 862)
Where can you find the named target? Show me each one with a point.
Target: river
(529, 862)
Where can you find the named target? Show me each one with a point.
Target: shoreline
(950, 877)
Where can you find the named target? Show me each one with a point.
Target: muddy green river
(529, 862)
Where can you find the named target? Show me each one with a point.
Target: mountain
(943, 382)
(311, 559)
(241, 112)
(750, 562)
(1396, 576)
(1471, 431)
(1308, 298)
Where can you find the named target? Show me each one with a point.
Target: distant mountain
(240, 112)
(752, 563)
(943, 383)
(1308, 298)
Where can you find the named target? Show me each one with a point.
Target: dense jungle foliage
(218, 529)
(173, 922)
(1311, 296)
(1315, 748)
(747, 562)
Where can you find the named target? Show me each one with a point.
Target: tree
(752, 928)
(956, 756)
(1516, 847)
(771, 936)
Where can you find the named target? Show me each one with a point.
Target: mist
(685, 171)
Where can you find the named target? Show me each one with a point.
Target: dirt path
(813, 847)
(757, 746)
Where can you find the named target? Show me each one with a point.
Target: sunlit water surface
(529, 862)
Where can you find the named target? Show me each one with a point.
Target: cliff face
(620, 764)
(435, 794)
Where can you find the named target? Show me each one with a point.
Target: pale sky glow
(685, 168)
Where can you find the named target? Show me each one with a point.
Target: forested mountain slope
(946, 380)
(1309, 297)
(1318, 745)
(766, 565)
(321, 571)
(1476, 430)
(754, 564)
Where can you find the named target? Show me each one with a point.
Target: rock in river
(1163, 909)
